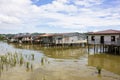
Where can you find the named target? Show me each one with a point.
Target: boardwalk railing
(105, 43)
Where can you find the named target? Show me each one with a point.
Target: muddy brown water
(59, 64)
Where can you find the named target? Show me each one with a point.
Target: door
(102, 39)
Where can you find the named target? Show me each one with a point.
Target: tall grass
(10, 60)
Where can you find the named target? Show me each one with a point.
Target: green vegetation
(31, 67)
(2, 37)
(32, 56)
(10, 60)
(27, 65)
(21, 60)
(42, 61)
(99, 69)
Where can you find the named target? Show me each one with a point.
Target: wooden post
(119, 49)
(103, 48)
(88, 45)
(100, 48)
(88, 49)
(94, 48)
(115, 50)
(109, 49)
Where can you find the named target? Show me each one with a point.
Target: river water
(50, 63)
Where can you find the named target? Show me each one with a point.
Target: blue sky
(51, 16)
(41, 2)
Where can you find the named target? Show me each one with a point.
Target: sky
(56, 16)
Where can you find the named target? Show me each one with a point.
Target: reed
(12, 59)
(21, 60)
(98, 69)
(32, 56)
(42, 61)
(27, 66)
(31, 67)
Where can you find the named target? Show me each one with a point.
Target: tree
(2, 37)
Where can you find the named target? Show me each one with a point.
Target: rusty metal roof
(110, 31)
(49, 35)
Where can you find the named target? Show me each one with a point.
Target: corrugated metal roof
(49, 35)
(59, 34)
(110, 31)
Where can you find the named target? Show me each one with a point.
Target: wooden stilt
(100, 48)
(88, 48)
(103, 48)
(94, 48)
(119, 50)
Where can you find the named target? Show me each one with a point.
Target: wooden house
(108, 40)
(12, 39)
(27, 39)
(73, 38)
(46, 38)
(104, 37)
(61, 38)
(21, 38)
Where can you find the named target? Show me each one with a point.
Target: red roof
(110, 31)
(44, 35)
(49, 35)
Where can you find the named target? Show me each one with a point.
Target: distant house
(12, 39)
(104, 37)
(46, 39)
(61, 38)
(50, 39)
(72, 38)
(27, 39)
(21, 38)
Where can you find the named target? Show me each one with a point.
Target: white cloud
(9, 19)
(76, 14)
(88, 3)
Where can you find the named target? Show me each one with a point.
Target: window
(112, 38)
(93, 38)
(72, 40)
(59, 38)
(87, 37)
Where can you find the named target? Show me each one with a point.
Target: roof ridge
(109, 31)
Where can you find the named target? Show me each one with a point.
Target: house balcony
(117, 43)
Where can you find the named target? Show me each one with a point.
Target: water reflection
(108, 62)
(105, 61)
(47, 63)
(59, 53)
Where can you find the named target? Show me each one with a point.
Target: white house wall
(68, 38)
(107, 39)
(71, 39)
(56, 39)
